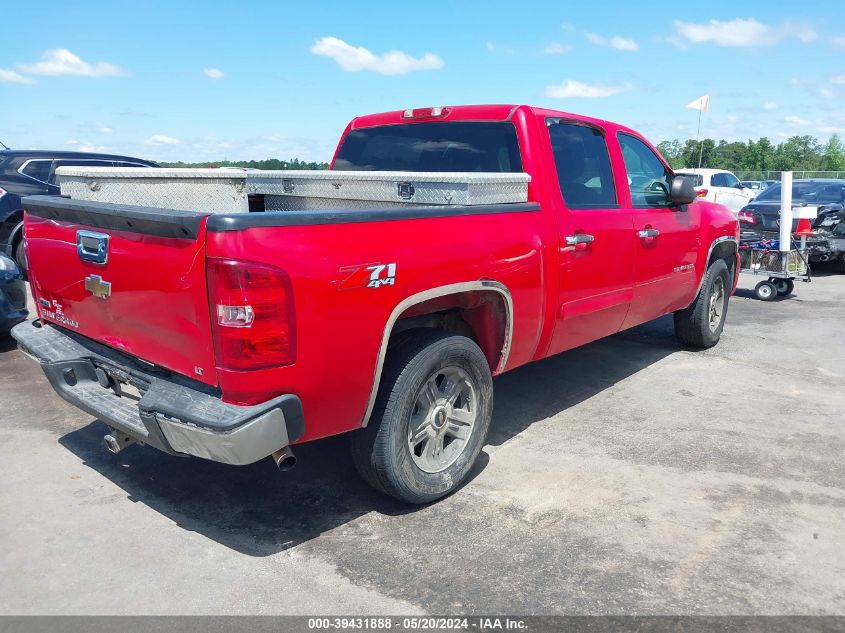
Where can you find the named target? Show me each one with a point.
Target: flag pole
(697, 139)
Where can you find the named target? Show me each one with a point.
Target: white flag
(700, 104)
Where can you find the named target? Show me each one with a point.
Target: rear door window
(583, 165)
(37, 169)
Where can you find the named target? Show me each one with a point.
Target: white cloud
(825, 92)
(91, 147)
(357, 58)
(838, 79)
(161, 139)
(839, 41)
(571, 89)
(490, 46)
(85, 146)
(213, 73)
(617, 42)
(105, 130)
(10, 76)
(770, 105)
(556, 48)
(61, 62)
(795, 121)
(739, 33)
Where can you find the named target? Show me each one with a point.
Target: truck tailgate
(129, 277)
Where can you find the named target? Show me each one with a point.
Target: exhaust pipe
(284, 458)
(117, 441)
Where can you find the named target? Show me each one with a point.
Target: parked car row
(760, 219)
(29, 173)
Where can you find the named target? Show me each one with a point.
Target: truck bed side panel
(340, 322)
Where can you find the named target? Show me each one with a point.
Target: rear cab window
(696, 179)
(442, 146)
(649, 179)
(583, 165)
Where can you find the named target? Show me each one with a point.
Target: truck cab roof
(479, 112)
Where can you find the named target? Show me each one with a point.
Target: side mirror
(682, 191)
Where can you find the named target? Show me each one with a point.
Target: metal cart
(780, 268)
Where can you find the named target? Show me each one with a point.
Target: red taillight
(252, 314)
(746, 217)
(701, 193)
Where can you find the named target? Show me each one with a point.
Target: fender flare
(716, 242)
(433, 293)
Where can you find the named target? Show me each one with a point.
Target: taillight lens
(701, 193)
(746, 217)
(424, 113)
(252, 314)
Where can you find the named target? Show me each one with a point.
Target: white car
(718, 185)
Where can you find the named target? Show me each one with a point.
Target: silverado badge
(97, 287)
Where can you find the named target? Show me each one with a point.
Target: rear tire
(431, 418)
(20, 257)
(784, 287)
(700, 324)
(766, 291)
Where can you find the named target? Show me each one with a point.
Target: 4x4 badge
(97, 287)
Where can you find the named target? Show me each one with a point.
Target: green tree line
(796, 153)
(268, 163)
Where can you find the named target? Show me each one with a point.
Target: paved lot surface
(628, 476)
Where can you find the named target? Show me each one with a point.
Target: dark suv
(28, 173)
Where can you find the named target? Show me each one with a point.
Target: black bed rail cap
(118, 217)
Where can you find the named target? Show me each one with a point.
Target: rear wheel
(431, 418)
(20, 256)
(766, 291)
(784, 287)
(701, 324)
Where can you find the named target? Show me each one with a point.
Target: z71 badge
(368, 276)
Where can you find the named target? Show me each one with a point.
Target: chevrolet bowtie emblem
(97, 287)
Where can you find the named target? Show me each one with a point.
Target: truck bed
(234, 190)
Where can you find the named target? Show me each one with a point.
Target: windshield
(807, 193)
(438, 146)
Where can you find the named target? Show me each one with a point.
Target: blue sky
(226, 80)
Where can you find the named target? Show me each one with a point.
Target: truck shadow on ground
(259, 511)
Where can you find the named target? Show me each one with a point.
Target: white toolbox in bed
(227, 190)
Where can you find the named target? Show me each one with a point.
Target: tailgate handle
(92, 247)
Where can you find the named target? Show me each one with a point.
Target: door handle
(648, 233)
(579, 238)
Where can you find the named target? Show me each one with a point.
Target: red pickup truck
(232, 336)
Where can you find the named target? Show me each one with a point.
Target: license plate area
(120, 382)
